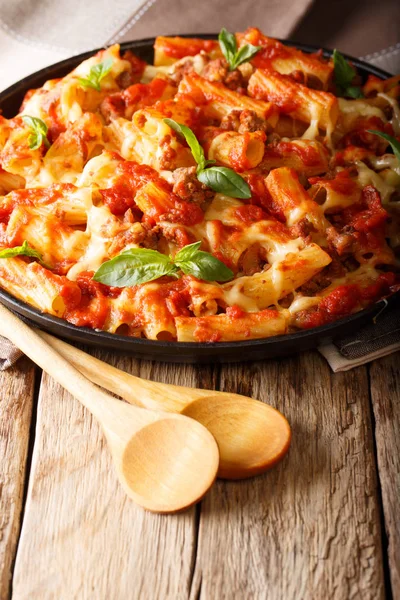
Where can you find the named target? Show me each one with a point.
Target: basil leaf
(354, 91)
(204, 265)
(96, 74)
(24, 250)
(38, 129)
(235, 57)
(133, 267)
(244, 55)
(344, 75)
(395, 144)
(225, 181)
(187, 252)
(228, 45)
(192, 142)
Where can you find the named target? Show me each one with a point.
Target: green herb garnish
(38, 129)
(235, 57)
(139, 265)
(220, 179)
(395, 144)
(24, 250)
(96, 74)
(344, 75)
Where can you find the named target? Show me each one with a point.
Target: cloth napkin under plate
(32, 36)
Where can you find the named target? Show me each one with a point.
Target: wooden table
(324, 524)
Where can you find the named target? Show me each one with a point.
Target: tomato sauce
(261, 196)
(369, 216)
(250, 213)
(180, 47)
(185, 213)
(341, 302)
(345, 299)
(94, 305)
(141, 95)
(361, 137)
(307, 153)
(341, 183)
(138, 65)
(119, 198)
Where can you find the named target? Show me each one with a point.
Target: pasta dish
(236, 189)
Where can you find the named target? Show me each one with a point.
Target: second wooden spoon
(251, 435)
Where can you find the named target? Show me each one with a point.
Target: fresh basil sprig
(38, 129)
(203, 265)
(220, 179)
(395, 144)
(133, 267)
(235, 57)
(96, 74)
(24, 250)
(344, 75)
(192, 142)
(139, 265)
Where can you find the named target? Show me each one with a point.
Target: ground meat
(231, 122)
(302, 229)
(139, 233)
(324, 278)
(297, 76)
(243, 121)
(188, 187)
(343, 242)
(180, 70)
(167, 158)
(112, 107)
(218, 70)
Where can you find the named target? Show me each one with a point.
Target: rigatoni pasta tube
(319, 109)
(167, 50)
(308, 157)
(220, 100)
(233, 326)
(38, 286)
(286, 190)
(281, 279)
(240, 151)
(284, 59)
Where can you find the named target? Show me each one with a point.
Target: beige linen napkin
(36, 33)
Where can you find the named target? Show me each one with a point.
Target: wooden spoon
(165, 462)
(251, 436)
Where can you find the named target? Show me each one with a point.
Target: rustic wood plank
(81, 536)
(310, 527)
(16, 401)
(385, 395)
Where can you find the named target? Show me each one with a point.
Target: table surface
(324, 523)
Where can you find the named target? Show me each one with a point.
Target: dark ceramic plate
(11, 99)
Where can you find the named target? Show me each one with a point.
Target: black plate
(10, 101)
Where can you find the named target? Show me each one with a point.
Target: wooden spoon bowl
(169, 475)
(252, 436)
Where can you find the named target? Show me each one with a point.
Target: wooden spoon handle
(150, 394)
(55, 365)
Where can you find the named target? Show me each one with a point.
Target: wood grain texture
(385, 395)
(79, 544)
(309, 528)
(16, 400)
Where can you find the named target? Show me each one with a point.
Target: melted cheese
(235, 296)
(396, 112)
(361, 108)
(367, 176)
(303, 303)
